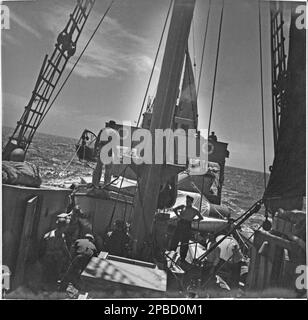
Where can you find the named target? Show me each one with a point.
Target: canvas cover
(20, 173)
(287, 183)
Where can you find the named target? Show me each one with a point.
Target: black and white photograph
(153, 149)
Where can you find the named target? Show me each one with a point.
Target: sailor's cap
(62, 218)
(89, 236)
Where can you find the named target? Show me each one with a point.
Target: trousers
(182, 234)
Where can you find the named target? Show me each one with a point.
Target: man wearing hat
(183, 230)
(54, 252)
(82, 252)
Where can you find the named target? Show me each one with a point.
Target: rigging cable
(200, 207)
(154, 64)
(262, 97)
(69, 163)
(197, 93)
(191, 81)
(198, 87)
(216, 65)
(203, 48)
(246, 215)
(254, 209)
(194, 47)
(78, 59)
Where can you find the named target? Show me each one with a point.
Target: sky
(110, 81)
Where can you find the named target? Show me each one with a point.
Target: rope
(241, 238)
(262, 98)
(200, 206)
(221, 215)
(154, 64)
(195, 187)
(250, 212)
(216, 271)
(221, 266)
(254, 231)
(216, 65)
(76, 152)
(178, 279)
(117, 178)
(203, 48)
(70, 162)
(75, 64)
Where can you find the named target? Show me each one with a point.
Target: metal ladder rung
(54, 66)
(48, 82)
(277, 30)
(75, 25)
(280, 62)
(279, 45)
(36, 112)
(41, 97)
(27, 125)
(82, 10)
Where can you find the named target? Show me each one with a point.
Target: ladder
(49, 76)
(279, 65)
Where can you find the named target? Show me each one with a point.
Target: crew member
(54, 253)
(213, 136)
(183, 230)
(78, 226)
(117, 242)
(82, 251)
(97, 172)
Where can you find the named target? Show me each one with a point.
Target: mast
(145, 202)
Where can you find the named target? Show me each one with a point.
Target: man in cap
(82, 251)
(183, 230)
(117, 242)
(54, 252)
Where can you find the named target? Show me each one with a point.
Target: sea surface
(55, 156)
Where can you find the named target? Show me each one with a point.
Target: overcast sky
(111, 79)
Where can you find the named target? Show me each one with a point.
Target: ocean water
(54, 155)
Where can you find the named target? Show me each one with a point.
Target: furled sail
(186, 113)
(287, 183)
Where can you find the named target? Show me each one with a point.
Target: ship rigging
(147, 193)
